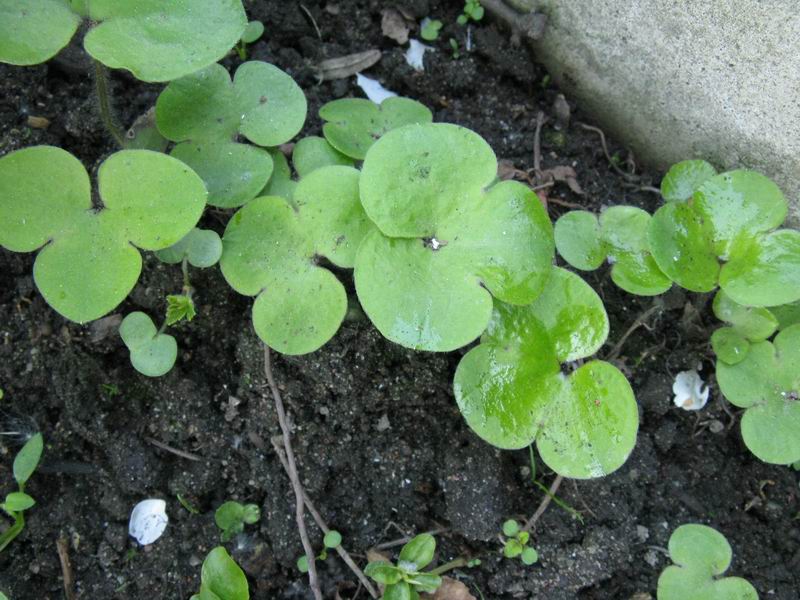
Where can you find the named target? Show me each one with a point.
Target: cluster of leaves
(331, 541)
(406, 580)
(701, 555)
(516, 543)
(221, 578)
(473, 11)
(16, 503)
(232, 516)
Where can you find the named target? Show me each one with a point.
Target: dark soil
(381, 445)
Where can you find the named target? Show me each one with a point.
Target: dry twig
(175, 451)
(62, 545)
(531, 523)
(640, 320)
(597, 130)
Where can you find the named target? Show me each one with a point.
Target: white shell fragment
(373, 89)
(415, 54)
(148, 521)
(690, 391)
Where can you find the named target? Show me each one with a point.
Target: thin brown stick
(343, 554)
(537, 145)
(313, 21)
(640, 320)
(299, 493)
(62, 546)
(545, 503)
(597, 130)
(175, 451)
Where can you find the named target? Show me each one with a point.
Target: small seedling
(701, 555)
(232, 516)
(152, 352)
(221, 578)
(429, 29)
(253, 31)
(516, 543)
(353, 125)
(445, 237)
(89, 261)
(201, 248)
(153, 40)
(511, 389)
(16, 503)
(473, 11)
(454, 47)
(405, 579)
(331, 541)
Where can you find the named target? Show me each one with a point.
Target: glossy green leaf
(511, 390)
(201, 247)
(578, 240)
(701, 554)
(729, 345)
(152, 353)
(27, 459)
(683, 179)
(786, 314)
(18, 502)
(680, 241)
(419, 551)
(221, 576)
(206, 111)
(754, 323)
(383, 572)
(767, 384)
(33, 31)
(314, 152)
(354, 124)
(89, 263)
(253, 31)
(445, 240)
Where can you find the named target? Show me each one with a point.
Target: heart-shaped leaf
(446, 239)
(354, 124)
(578, 240)
(202, 248)
(270, 249)
(206, 112)
(701, 554)
(512, 392)
(767, 383)
(89, 263)
(683, 179)
(152, 353)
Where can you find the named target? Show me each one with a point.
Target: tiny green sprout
(332, 539)
(446, 235)
(192, 509)
(202, 248)
(584, 423)
(353, 125)
(232, 516)
(429, 30)
(510, 528)
(619, 235)
(253, 31)
(152, 352)
(405, 580)
(472, 11)
(302, 564)
(206, 112)
(701, 555)
(89, 261)
(221, 578)
(516, 543)
(16, 503)
(190, 34)
(179, 307)
(454, 48)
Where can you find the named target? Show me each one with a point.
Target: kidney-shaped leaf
(512, 392)
(578, 240)
(89, 263)
(152, 353)
(447, 242)
(32, 31)
(206, 112)
(683, 179)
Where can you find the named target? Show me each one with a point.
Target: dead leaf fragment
(394, 26)
(345, 66)
(563, 174)
(451, 589)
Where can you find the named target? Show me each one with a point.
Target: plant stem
(545, 503)
(187, 285)
(293, 477)
(104, 103)
(456, 563)
(16, 528)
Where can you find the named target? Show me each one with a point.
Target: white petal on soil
(415, 54)
(690, 391)
(148, 521)
(373, 89)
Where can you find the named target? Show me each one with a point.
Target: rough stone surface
(718, 80)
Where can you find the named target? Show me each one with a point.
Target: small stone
(38, 122)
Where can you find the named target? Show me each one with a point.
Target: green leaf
(512, 548)
(577, 236)
(787, 314)
(729, 345)
(332, 539)
(179, 307)
(511, 391)
(201, 247)
(18, 501)
(701, 554)
(162, 42)
(253, 31)
(767, 384)
(754, 323)
(383, 572)
(398, 591)
(90, 263)
(152, 354)
(425, 582)
(683, 179)
(353, 125)
(430, 29)
(230, 516)
(33, 31)
(220, 575)
(314, 152)
(252, 514)
(529, 556)
(445, 239)
(419, 551)
(27, 459)
(206, 111)
(510, 528)
(280, 183)
(302, 564)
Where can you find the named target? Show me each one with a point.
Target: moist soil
(381, 446)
